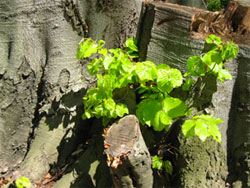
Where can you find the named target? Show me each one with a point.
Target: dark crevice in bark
(144, 30)
(9, 49)
(37, 115)
(238, 130)
(72, 14)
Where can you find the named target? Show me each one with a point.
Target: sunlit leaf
(86, 48)
(158, 124)
(146, 71)
(188, 83)
(150, 110)
(203, 126)
(230, 50)
(188, 128)
(107, 61)
(201, 129)
(174, 107)
(224, 74)
(212, 39)
(195, 67)
(94, 67)
(157, 162)
(121, 109)
(23, 182)
(131, 43)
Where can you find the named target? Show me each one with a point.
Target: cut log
(128, 156)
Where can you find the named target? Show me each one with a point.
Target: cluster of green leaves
(114, 69)
(202, 65)
(213, 61)
(159, 164)
(22, 182)
(202, 126)
(216, 5)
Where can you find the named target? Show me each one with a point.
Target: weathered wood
(231, 23)
(174, 37)
(128, 156)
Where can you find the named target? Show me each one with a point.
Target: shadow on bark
(238, 129)
(86, 167)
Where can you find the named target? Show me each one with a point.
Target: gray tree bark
(42, 85)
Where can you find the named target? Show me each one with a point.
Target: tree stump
(128, 156)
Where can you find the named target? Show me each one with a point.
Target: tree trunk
(42, 83)
(166, 32)
(42, 135)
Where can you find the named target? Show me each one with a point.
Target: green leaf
(157, 162)
(230, 50)
(215, 132)
(133, 54)
(160, 118)
(110, 106)
(211, 58)
(131, 48)
(86, 115)
(101, 43)
(188, 128)
(202, 126)
(174, 107)
(212, 39)
(175, 78)
(195, 67)
(127, 66)
(140, 109)
(92, 98)
(146, 71)
(106, 83)
(163, 79)
(164, 118)
(116, 52)
(150, 110)
(201, 129)
(107, 61)
(224, 74)
(121, 109)
(94, 67)
(86, 48)
(167, 165)
(188, 83)
(168, 78)
(131, 43)
(103, 51)
(99, 111)
(23, 182)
